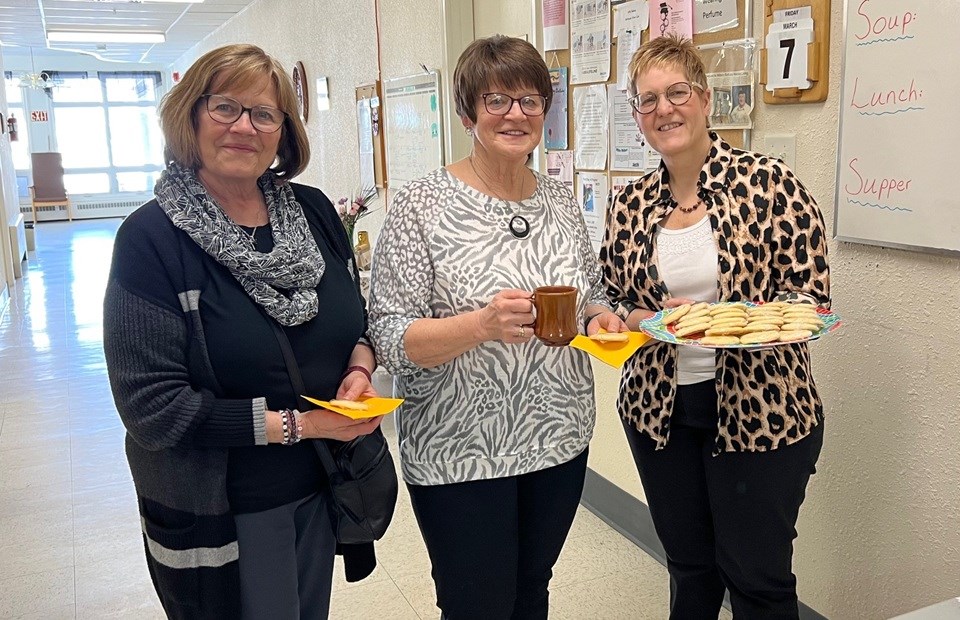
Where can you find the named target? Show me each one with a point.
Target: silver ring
(520, 332)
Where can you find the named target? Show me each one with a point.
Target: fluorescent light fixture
(147, 1)
(89, 36)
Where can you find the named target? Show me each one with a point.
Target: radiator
(18, 243)
(86, 209)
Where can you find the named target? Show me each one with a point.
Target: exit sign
(39, 116)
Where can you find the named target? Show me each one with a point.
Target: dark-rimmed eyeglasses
(677, 94)
(226, 111)
(499, 104)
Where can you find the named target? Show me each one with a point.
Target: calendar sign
(787, 54)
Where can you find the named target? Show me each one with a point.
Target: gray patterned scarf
(284, 281)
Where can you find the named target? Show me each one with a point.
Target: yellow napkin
(612, 353)
(377, 406)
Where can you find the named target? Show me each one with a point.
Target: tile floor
(70, 542)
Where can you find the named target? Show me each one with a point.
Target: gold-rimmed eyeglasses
(677, 94)
(226, 111)
(499, 104)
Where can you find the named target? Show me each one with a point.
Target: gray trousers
(286, 561)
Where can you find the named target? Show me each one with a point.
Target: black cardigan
(165, 389)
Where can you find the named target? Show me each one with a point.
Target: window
(107, 131)
(21, 148)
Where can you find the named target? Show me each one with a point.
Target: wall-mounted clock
(300, 86)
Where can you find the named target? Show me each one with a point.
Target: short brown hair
(670, 51)
(227, 67)
(502, 61)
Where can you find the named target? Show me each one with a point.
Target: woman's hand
(508, 317)
(355, 385)
(673, 302)
(608, 322)
(326, 424)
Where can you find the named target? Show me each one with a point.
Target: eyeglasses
(226, 110)
(499, 104)
(677, 94)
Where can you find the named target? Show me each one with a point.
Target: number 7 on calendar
(786, 44)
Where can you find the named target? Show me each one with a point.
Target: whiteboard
(414, 133)
(897, 160)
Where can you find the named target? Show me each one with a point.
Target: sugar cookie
(675, 314)
(695, 328)
(800, 325)
(796, 334)
(350, 404)
(719, 341)
(759, 337)
(611, 337)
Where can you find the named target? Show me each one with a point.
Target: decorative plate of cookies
(740, 325)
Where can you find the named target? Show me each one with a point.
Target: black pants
(493, 543)
(726, 521)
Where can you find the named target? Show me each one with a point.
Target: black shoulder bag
(361, 474)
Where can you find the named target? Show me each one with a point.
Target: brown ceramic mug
(556, 322)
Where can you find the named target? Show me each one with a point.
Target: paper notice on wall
(590, 124)
(714, 15)
(560, 167)
(633, 15)
(555, 123)
(592, 198)
(652, 157)
(626, 141)
(733, 97)
(556, 26)
(365, 135)
(671, 17)
(627, 44)
(589, 41)
(618, 182)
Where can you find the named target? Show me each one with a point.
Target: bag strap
(293, 369)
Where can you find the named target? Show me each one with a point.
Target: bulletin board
(898, 128)
(562, 58)
(413, 127)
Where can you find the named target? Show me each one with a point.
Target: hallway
(70, 544)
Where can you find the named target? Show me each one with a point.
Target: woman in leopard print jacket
(724, 441)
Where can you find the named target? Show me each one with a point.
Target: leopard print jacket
(771, 242)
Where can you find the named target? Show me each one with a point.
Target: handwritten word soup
(883, 188)
(872, 24)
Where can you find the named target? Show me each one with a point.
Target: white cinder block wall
(880, 530)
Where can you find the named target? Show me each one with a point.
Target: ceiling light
(89, 36)
(150, 1)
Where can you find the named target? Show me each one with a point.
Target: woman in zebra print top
(495, 427)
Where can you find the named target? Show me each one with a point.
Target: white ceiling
(24, 23)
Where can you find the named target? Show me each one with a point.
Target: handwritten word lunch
(880, 187)
(876, 25)
(883, 97)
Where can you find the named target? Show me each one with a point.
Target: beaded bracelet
(356, 369)
(291, 425)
